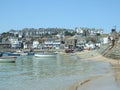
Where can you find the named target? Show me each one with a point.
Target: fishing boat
(21, 52)
(7, 59)
(10, 54)
(45, 54)
(30, 53)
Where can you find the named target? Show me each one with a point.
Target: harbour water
(57, 73)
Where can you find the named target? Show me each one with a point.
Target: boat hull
(45, 55)
(7, 59)
(10, 54)
(30, 53)
(13, 54)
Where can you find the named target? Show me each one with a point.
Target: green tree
(3, 35)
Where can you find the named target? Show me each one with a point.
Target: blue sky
(19, 14)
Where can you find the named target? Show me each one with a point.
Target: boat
(7, 59)
(30, 53)
(45, 55)
(10, 54)
(13, 54)
(21, 52)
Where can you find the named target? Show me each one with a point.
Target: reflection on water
(46, 72)
(4, 68)
(117, 73)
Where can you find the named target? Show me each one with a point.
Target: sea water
(55, 73)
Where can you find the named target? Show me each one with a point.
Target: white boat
(7, 59)
(21, 52)
(45, 55)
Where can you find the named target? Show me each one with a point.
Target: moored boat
(13, 54)
(45, 55)
(7, 59)
(21, 52)
(30, 53)
(10, 54)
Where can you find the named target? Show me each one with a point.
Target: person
(113, 42)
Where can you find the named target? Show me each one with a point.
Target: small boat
(7, 59)
(45, 55)
(10, 54)
(21, 52)
(30, 53)
(13, 54)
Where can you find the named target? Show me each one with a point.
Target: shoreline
(94, 55)
(77, 85)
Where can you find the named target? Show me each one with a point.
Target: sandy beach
(95, 55)
(109, 81)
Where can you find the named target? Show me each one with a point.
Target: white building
(79, 30)
(15, 43)
(48, 44)
(35, 44)
(105, 40)
(56, 44)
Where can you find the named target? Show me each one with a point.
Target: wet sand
(106, 82)
(95, 55)
(102, 83)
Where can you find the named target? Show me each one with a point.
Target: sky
(19, 14)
